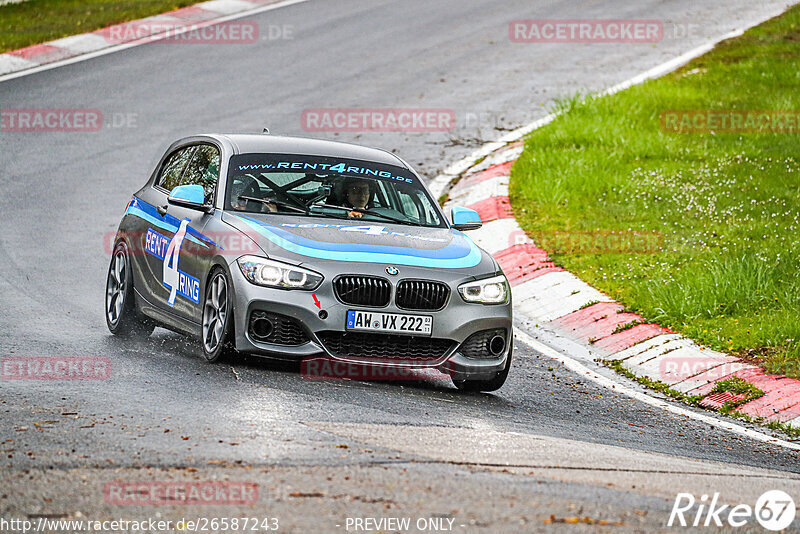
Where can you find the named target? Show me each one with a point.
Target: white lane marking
(489, 236)
(226, 7)
(438, 184)
(504, 156)
(82, 43)
(619, 387)
(654, 343)
(670, 357)
(149, 39)
(554, 295)
(9, 63)
(493, 187)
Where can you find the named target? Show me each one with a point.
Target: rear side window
(172, 171)
(203, 169)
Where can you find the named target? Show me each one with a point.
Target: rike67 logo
(774, 510)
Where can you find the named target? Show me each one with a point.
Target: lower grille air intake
(267, 327)
(485, 345)
(384, 346)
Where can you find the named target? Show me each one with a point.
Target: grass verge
(698, 230)
(39, 21)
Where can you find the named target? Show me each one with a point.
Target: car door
(157, 229)
(197, 251)
(177, 252)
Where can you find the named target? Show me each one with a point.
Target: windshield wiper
(281, 203)
(368, 212)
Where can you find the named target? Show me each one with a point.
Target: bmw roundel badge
(392, 271)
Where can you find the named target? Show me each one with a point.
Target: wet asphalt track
(62, 192)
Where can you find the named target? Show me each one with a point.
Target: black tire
(122, 318)
(216, 339)
(492, 384)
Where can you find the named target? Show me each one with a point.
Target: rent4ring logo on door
(169, 251)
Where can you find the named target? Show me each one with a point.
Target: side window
(409, 208)
(381, 194)
(428, 213)
(411, 205)
(172, 170)
(203, 170)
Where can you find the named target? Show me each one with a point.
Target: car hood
(308, 240)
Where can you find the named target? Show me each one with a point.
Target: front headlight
(492, 290)
(269, 273)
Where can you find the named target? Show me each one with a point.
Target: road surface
(548, 443)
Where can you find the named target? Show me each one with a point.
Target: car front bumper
(456, 322)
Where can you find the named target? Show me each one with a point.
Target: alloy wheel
(215, 313)
(115, 288)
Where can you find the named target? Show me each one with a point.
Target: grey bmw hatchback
(297, 248)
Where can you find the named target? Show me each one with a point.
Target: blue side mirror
(189, 196)
(465, 219)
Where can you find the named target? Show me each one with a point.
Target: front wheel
(217, 316)
(492, 384)
(121, 315)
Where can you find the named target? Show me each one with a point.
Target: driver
(357, 196)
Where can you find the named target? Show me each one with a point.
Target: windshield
(328, 187)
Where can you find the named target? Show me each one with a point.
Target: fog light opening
(497, 345)
(262, 328)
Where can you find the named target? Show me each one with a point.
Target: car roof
(275, 144)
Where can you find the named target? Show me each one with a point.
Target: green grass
(657, 385)
(726, 270)
(38, 21)
(740, 387)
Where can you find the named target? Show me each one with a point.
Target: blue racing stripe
(148, 212)
(461, 253)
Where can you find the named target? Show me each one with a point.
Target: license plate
(365, 321)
